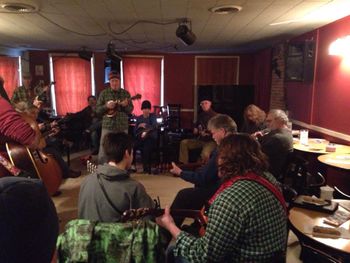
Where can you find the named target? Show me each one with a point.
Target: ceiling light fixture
(340, 47)
(10, 7)
(225, 9)
(185, 34)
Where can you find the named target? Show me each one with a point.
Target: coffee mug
(326, 192)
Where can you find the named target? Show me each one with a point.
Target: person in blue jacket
(205, 179)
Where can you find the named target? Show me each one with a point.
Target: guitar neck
(9, 166)
(142, 212)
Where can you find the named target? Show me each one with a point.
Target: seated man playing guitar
(14, 128)
(203, 139)
(205, 179)
(146, 135)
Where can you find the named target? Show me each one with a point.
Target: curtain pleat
(9, 72)
(262, 78)
(73, 83)
(217, 71)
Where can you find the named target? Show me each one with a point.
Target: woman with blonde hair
(254, 119)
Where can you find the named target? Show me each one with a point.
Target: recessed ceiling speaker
(185, 35)
(85, 55)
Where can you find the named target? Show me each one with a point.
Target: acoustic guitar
(198, 215)
(112, 112)
(37, 164)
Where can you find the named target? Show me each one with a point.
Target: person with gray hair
(205, 179)
(276, 141)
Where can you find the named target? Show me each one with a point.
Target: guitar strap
(258, 179)
(106, 195)
(9, 166)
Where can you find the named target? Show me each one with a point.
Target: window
(74, 82)
(9, 70)
(143, 75)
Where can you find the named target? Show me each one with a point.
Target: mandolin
(113, 112)
(198, 215)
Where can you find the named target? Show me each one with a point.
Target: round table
(337, 160)
(318, 146)
(301, 222)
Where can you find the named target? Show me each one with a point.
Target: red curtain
(73, 83)
(9, 71)
(142, 75)
(262, 78)
(217, 70)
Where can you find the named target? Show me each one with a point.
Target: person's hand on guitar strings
(110, 104)
(124, 103)
(167, 221)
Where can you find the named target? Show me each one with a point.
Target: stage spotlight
(111, 54)
(85, 55)
(185, 35)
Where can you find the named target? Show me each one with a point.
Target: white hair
(280, 115)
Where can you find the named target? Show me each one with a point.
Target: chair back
(312, 254)
(296, 175)
(339, 194)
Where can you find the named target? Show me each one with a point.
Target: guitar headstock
(136, 97)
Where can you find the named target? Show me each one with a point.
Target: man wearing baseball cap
(203, 139)
(114, 105)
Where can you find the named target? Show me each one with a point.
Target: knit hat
(146, 104)
(205, 97)
(114, 75)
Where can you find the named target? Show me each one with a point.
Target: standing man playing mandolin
(115, 105)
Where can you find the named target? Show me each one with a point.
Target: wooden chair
(312, 254)
(313, 251)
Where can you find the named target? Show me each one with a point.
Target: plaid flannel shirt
(246, 224)
(22, 94)
(119, 122)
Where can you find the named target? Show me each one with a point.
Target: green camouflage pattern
(88, 241)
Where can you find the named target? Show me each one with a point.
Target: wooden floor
(164, 186)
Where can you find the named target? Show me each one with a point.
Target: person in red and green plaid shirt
(247, 219)
(113, 98)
